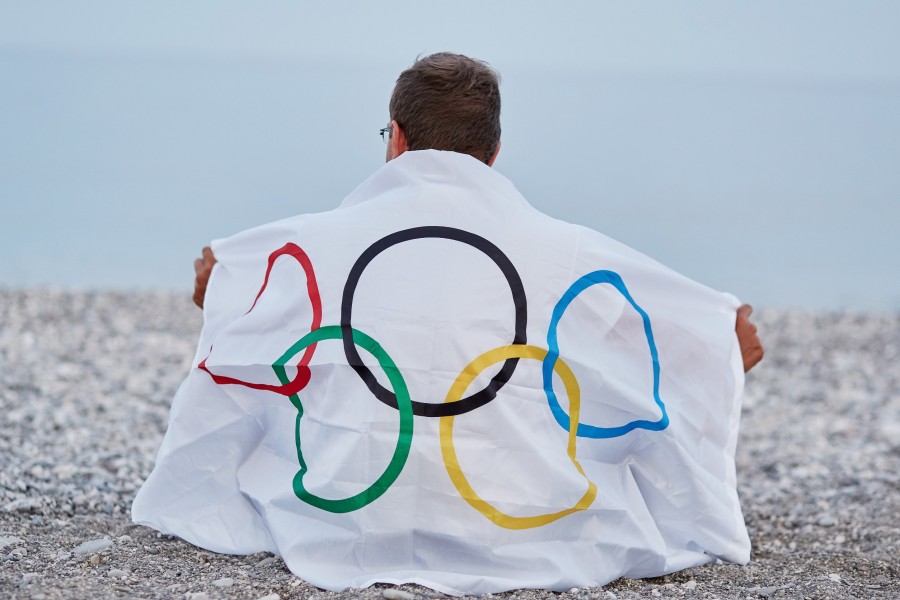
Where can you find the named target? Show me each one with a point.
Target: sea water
(116, 170)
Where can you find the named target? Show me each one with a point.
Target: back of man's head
(449, 102)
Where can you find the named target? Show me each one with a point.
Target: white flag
(436, 383)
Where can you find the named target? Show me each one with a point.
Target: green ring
(404, 403)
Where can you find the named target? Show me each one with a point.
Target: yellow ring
(459, 480)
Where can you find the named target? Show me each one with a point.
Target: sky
(752, 146)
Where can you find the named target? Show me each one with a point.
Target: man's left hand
(751, 347)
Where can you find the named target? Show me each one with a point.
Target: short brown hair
(448, 101)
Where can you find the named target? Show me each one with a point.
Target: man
(590, 395)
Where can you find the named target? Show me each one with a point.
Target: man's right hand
(203, 267)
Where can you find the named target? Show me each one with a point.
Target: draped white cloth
(389, 392)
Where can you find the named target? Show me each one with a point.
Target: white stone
(65, 471)
(93, 546)
(224, 582)
(394, 594)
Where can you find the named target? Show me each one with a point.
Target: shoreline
(88, 377)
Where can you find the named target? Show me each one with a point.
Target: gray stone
(266, 562)
(6, 542)
(224, 582)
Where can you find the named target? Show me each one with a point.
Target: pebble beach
(87, 379)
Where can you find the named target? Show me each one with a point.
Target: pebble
(22, 505)
(101, 421)
(270, 597)
(834, 577)
(690, 585)
(92, 546)
(117, 573)
(6, 542)
(28, 578)
(95, 559)
(224, 582)
(395, 594)
(266, 562)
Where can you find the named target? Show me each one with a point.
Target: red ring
(303, 374)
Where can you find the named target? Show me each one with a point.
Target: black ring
(428, 409)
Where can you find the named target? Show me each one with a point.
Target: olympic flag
(436, 383)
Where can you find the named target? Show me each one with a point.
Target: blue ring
(592, 431)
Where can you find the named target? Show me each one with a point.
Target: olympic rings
(404, 439)
(448, 451)
(454, 404)
(427, 409)
(289, 387)
(592, 431)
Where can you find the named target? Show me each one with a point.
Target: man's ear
(490, 163)
(398, 143)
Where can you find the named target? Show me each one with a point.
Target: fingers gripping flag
(436, 383)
